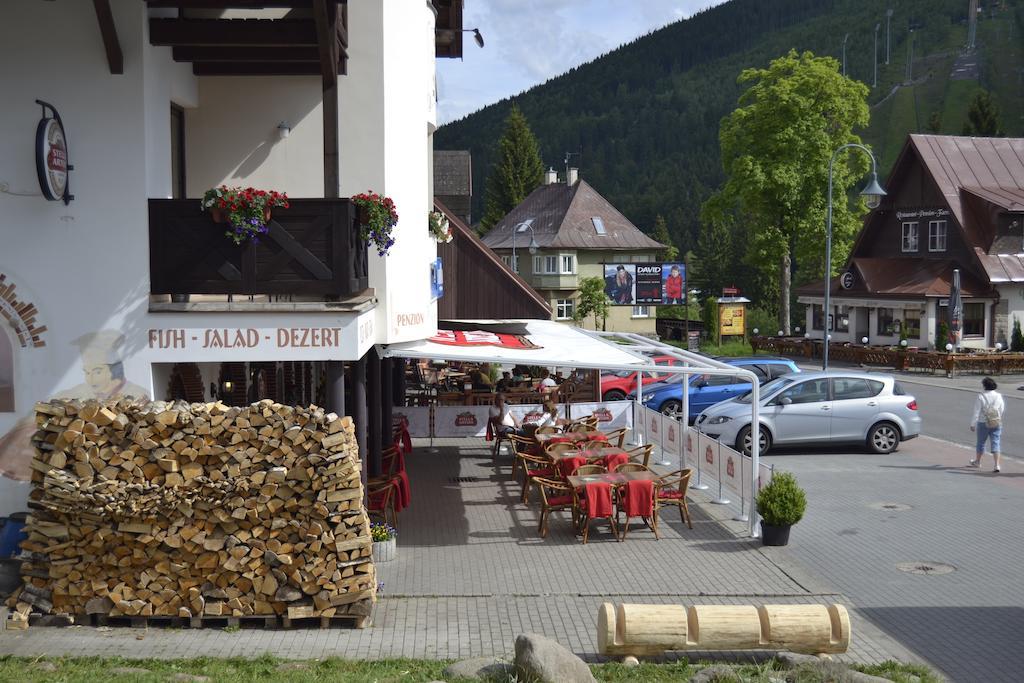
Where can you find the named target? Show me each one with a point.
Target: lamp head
(534, 247)
(903, 342)
(756, 330)
(863, 340)
(227, 386)
(477, 37)
(873, 192)
(949, 347)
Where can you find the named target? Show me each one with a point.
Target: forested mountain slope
(645, 117)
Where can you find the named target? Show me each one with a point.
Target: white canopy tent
(548, 343)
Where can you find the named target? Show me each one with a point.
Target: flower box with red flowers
(246, 210)
(377, 217)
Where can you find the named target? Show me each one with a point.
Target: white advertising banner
(764, 475)
(708, 450)
(418, 419)
(690, 449)
(610, 415)
(732, 471)
(652, 426)
(528, 412)
(460, 420)
(672, 441)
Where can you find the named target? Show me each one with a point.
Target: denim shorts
(985, 433)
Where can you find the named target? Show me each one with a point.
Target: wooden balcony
(312, 252)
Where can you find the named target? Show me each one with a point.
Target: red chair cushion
(545, 472)
(560, 500)
(669, 494)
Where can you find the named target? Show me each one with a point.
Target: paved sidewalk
(866, 514)
(472, 573)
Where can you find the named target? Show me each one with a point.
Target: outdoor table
(589, 454)
(568, 437)
(614, 478)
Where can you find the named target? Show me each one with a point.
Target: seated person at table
(550, 417)
(546, 383)
(520, 371)
(480, 380)
(501, 417)
(505, 383)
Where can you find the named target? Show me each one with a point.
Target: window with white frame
(936, 235)
(511, 262)
(555, 264)
(641, 311)
(910, 236)
(563, 309)
(568, 264)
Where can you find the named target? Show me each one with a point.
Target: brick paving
(967, 623)
(472, 573)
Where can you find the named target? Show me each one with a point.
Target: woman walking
(987, 421)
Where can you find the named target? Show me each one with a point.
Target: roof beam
(115, 58)
(203, 53)
(225, 32)
(256, 68)
(326, 22)
(229, 4)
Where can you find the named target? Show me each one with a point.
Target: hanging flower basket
(439, 226)
(377, 217)
(246, 210)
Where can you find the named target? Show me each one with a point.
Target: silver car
(819, 407)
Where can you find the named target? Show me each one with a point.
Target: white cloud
(530, 41)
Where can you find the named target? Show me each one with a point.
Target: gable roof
(956, 163)
(495, 292)
(562, 217)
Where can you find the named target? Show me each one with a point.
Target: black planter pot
(774, 535)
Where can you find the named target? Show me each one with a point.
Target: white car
(819, 407)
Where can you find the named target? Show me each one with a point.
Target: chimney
(550, 177)
(573, 174)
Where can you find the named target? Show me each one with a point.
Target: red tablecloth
(566, 466)
(614, 460)
(599, 500)
(638, 499)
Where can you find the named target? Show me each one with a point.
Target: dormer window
(910, 236)
(937, 236)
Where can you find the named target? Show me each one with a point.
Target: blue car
(707, 390)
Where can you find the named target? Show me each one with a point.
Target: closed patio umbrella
(956, 310)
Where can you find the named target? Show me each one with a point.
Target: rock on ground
(718, 673)
(543, 659)
(188, 678)
(48, 667)
(129, 671)
(479, 669)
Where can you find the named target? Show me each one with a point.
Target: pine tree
(1017, 338)
(671, 252)
(983, 117)
(518, 171)
(934, 123)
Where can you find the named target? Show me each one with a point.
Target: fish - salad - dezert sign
(246, 338)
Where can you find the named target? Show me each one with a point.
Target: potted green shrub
(781, 504)
(384, 541)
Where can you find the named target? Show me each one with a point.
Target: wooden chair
(632, 467)
(581, 427)
(591, 469)
(621, 505)
(520, 446)
(554, 496)
(593, 444)
(641, 454)
(499, 437)
(381, 498)
(671, 489)
(560, 448)
(547, 429)
(584, 518)
(535, 466)
(617, 437)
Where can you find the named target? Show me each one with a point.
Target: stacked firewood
(194, 510)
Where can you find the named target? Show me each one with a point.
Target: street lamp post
(845, 38)
(522, 227)
(872, 194)
(888, 17)
(874, 84)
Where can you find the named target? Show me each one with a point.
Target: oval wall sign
(52, 156)
(846, 280)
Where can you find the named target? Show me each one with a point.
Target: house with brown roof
(953, 203)
(565, 231)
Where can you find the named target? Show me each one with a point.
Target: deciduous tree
(776, 149)
(518, 171)
(592, 300)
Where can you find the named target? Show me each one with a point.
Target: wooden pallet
(246, 622)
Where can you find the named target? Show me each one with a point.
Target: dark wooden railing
(313, 249)
(982, 362)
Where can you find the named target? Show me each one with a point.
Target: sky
(529, 41)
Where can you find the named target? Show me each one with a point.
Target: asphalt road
(946, 412)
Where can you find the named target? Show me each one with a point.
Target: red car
(615, 385)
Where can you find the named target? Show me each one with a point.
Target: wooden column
(387, 400)
(336, 386)
(360, 415)
(398, 382)
(326, 18)
(374, 421)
